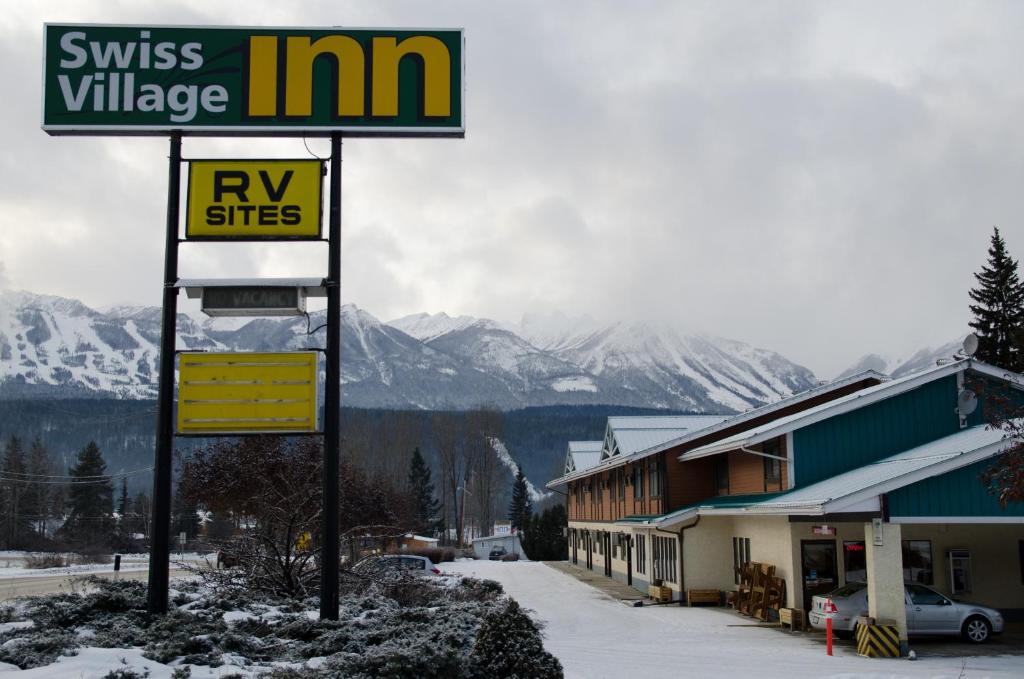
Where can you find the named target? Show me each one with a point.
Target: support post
(329, 562)
(884, 555)
(160, 549)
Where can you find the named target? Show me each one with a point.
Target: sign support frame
(160, 547)
(329, 558)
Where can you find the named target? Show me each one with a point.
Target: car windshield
(849, 589)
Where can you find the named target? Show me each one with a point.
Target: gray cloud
(815, 178)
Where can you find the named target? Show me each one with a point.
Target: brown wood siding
(689, 482)
(746, 473)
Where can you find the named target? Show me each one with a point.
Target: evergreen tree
(15, 483)
(999, 309)
(90, 499)
(520, 509)
(425, 505)
(544, 538)
(122, 501)
(39, 495)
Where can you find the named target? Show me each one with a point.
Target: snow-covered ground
(595, 636)
(12, 564)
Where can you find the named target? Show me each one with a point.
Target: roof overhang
(854, 401)
(866, 499)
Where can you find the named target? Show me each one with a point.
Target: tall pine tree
(15, 483)
(999, 309)
(425, 505)
(39, 495)
(90, 499)
(122, 500)
(520, 509)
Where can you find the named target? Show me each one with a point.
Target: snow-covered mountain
(56, 346)
(903, 365)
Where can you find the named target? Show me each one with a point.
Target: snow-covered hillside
(52, 346)
(903, 365)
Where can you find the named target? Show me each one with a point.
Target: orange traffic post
(828, 635)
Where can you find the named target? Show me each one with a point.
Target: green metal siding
(862, 436)
(956, 493)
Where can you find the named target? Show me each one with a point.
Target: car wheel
(976, 630)
(843, 634)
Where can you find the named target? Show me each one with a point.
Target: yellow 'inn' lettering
(387, 53)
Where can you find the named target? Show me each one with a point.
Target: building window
(917, 561)
(740, 556)
(621, 472)
(638, 482)
(655, 476)
(641, 553)
(721, 470)
(855, 564)
(664, 551)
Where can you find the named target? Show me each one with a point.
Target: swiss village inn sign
(260, 81)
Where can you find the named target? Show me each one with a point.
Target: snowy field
(12, 564)
(596, 637)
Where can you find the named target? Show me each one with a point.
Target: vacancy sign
(254, 199)
(245, 393)
(115, 79)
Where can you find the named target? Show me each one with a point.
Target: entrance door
(607, 553)
(627, 542)
(820, 574)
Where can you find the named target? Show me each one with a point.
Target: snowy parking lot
(595, 636)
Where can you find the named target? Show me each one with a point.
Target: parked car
(497, 553)
(928, 612)
(394, 564)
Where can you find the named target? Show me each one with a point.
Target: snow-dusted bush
(415, 627)
(509, 645)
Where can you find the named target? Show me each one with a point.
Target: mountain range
(57, 347)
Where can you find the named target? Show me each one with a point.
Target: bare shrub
(46, 560)
(92, 557)
(511, 556)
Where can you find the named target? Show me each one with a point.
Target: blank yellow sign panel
(222, 393)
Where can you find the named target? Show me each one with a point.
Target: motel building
(862, 479)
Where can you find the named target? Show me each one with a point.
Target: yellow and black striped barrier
(878, 641)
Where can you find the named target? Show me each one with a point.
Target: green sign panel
(100, 79)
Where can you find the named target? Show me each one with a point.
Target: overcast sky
(816, 178)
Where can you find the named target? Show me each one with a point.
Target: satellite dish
(966, 402)
(970, 345)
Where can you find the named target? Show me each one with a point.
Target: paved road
(11, 588)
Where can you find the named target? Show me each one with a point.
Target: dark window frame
(720, 470)
(654, 476)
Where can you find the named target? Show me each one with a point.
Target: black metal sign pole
(332, 398)
(160, 550)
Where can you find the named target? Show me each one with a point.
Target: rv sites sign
(100, 79)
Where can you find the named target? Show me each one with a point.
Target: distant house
(863, 479)
(511, 543)
(412, 542)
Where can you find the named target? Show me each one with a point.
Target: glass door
(820, 575)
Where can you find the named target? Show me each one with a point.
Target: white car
(396, 563)
(928, 612)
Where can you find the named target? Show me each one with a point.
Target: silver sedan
(928, 612)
